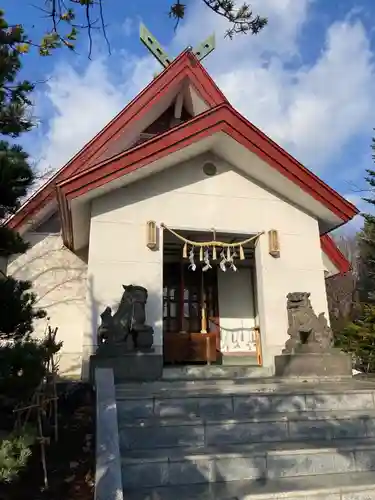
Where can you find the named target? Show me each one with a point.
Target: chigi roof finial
(160, 54)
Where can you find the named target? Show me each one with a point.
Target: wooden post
(208, 350)
(203, 308)
(182, 297)
(258, 347)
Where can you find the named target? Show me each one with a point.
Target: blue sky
(307, 80)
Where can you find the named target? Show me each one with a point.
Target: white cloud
(128, 26)
(285, 19)
(312, 110)
(331, 101)
(83, 104)
(356, 223)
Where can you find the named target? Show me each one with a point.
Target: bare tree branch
(104, 27)
(68, 17)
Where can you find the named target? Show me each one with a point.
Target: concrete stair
(247, 439)
(360, 486)
(204, 372)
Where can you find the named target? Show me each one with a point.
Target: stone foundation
(333, 363)
(136, 366)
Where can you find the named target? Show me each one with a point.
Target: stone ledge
(130, 366)
(168, 466)
(333, 363)
(108, 474)
(357, 486)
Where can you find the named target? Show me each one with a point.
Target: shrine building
(182, 195)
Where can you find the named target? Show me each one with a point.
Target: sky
(307, 80)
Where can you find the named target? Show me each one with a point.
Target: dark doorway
(189, 337)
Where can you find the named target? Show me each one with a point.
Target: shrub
(358, 338)
(14, 454)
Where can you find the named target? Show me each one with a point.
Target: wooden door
(212, 307)
(182, 314)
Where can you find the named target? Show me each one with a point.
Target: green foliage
(358, 338)
(14, 100)
(14, 454)
(17, 303)
(23, 361)
(68, 18)
(367, 243)
(241, 18)
(16, 177)
(22, 368)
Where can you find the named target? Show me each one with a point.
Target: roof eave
(212, 95)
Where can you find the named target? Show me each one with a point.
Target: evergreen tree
(16, 178)
(358, 337)
(366, 283)
(22, 362)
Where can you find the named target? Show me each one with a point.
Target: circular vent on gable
(209, 168)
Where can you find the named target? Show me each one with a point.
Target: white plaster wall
(329, 267)
(183, 197)
(237, 311)
(59, 280)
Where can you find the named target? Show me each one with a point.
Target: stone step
(192, 432)
(234, 403)
(355, 486)
(176, 466)
(214, 372)
(170, 389)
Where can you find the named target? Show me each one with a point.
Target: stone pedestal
(333, 363)
(137, 366)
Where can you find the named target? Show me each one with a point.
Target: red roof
(185, 67)
(223, 118)
(330, 248)
(85, 171)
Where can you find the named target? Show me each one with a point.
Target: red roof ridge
(203, 124)
(47, 192)
(156, 138)
(333, 252)
(221, 118)
(293, 159)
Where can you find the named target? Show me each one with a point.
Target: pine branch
(242, 18)
(64, 29)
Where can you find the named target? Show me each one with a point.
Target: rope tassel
(242, 253)
(209, 243)
(192, 265)
(226, 255)
(206, 261)
(223, 261)
(231, 262)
